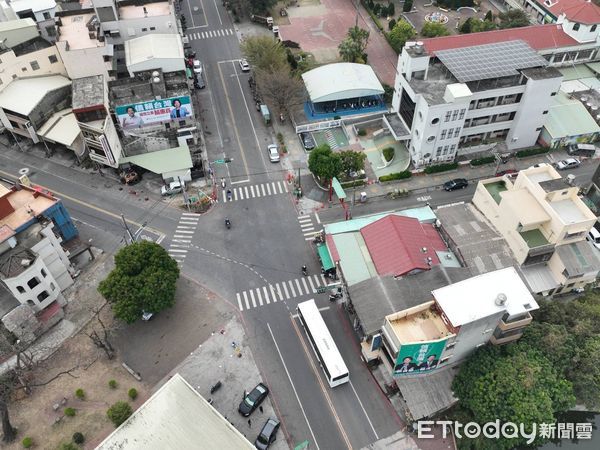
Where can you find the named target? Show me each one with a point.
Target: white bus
(322, 344)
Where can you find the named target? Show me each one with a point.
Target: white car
(273, 153)
(244, 66)
(197, 66)
(174, 187)
(569, 163)
(594, 237)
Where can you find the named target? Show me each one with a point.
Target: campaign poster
(419, 358)
(139, 115)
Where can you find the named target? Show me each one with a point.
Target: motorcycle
(215, 387)
(304, 271)
(228, 223)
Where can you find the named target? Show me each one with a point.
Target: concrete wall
(13, 66)
(20, 35)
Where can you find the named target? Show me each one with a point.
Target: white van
(586, 150)
(594, 237)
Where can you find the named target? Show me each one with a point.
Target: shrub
(80, 394)
(68, 446)
(532, 152)
(70, 412)
(391, 24)
(388, 153)
(376, 9)
(370, 4)
(482, 161)
(408, 4)
(27, 442)
(441, 168)
(396, 176)
(112, 384)
(391, 9)
(280, 137)
(78, 438)
(119, 413)
(362, 132)
(337, 117)
(132, 393)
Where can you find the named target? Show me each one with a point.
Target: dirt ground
(34, 415)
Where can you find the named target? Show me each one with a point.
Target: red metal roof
(539, 37)
(581, 11)
(395, 244)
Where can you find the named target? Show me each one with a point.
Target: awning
(338, 189)
(61, 128)
(163, 161)
(325, 257)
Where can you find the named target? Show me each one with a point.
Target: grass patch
(483, 161)
(532, 152)
(404, 175)
(441, 168)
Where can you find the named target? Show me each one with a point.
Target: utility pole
(131, 237)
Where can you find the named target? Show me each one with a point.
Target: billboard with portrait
(418, 358)
(138, 115)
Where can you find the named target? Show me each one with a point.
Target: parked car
(510, 172)
(268, 434)
(253, 399)
(244, 66)
(199, 81)
(174, 187)
(594, 237)
(197, 66)
(273, 152)
(587, 150)
(569, 163)
(457, 183)
(307, 141)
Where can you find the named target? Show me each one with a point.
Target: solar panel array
(483, 62)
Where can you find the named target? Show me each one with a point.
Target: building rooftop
(33, 5)
(418, 325)
(146, 10)
(569, 117)
(476, 298)
(558, 184)
(74, 30)
(538, 37)
(569, 210)
(153, 46)
(541, 73)
(340, 81)
(378, 297)
(140, 89)
(11, 25)
(16, 260)
(579, 258)
(396, 124)
(471, 238)
(30, 46)
(534, 214)
(581, 11)
(398, 245)
(23, 95)
(17, 207)
(176, 416)
(88, 91)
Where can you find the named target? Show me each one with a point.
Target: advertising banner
(419, 358)
(138, 115)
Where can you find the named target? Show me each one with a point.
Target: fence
(318, 126)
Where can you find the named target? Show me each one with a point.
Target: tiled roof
(581, 11)
(395, 244)
(539, 37)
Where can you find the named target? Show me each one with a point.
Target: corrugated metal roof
(568, 117)
(21, 96)
(340, 81)
(579, 258)
(163, 161)
(396, 245)
(153, 46)
(424, 214)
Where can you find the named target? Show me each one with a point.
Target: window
(443, 135)
(456, 132)
(43, 272)
(462, 113)
(553, 94)
(593, 28)
(435, 121)
(34, 65)
(21, 289)
(575, 26)
(445, 150)
(452, 148)
(119, 47)
(33, 282)
(447, 116)
(455, 115)
(430, 139)
(24, 69)
(545, 112)
(52, 287)
(43, 296)
(420, 115)
(438, 152)
(53, 59)
(182, 123)
(144, 29)
(51, 31)
(152, 28)
(46, 15)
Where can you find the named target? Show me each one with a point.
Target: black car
(307, 140)
(457, 183)
(268, 434)
(253, 399)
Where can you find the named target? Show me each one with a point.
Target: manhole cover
(24, 171)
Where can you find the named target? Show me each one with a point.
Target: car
(174, 187)
(457, 183)
(199, 81)
(569, 163)
(253, 399)
(268, 434)
(535, 166)
(586, 150)
(244, 66)
(307, 141)
(509, 172)
(594, 237)
(197, 66)
(273, 152)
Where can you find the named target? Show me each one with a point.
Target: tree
(351, 161)
(431, 29)
(408, 4)
(102, 339)
(280, 88)
(467, 26)
(391, 24)
(119, 412)
(262, 6)
(513, 18)
(144, 279)
(512, 386)
(474, 25)
(352, 49)
(391, 9)
(264, 53)
(402, 32)
(324, 163)
(489, 16)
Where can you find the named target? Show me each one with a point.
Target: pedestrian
(249, 423)
(260, 408)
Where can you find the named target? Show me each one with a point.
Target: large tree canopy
(402, 32)
(264, 53)
(144, 279)
(324, 163)
(352, 49)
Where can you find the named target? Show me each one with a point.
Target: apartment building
(545, 224)
(583, 12)
(41, 11)
(15, 32)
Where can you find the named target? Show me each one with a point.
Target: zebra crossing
(255, 191)
(210, 34)
(278, 292)
(307, 227)
(182, 239)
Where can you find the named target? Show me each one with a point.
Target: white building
(155, 51)
(41, 11)
(15, 32)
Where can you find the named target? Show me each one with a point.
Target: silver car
(273, 153)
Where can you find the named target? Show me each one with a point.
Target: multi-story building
(583, 12)
(15, 32)
(545, 224)
(41, 11)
